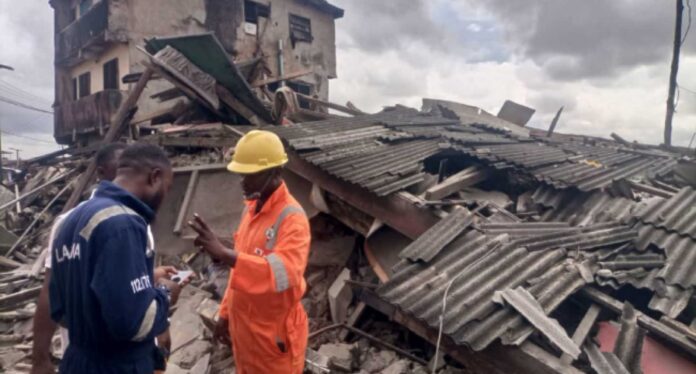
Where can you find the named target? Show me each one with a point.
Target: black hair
(107, 153)
(140, 156)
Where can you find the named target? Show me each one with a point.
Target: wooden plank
(285, 77)
(239, 107)
(152, 115)
(583, 330)
(9, 263)
(465, 178)
(183, 208)
(168, 94)
(334, 106)
(191, 142)
(188, 169)
(353, 319)
(37, 218)
(37, 189)
(19, 297)
(649, 189)
(654, 327)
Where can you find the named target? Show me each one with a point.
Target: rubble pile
(443, 237)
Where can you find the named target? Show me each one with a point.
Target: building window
(111, 75)
(301, 88)
(300, 29)
(84, 83)
(254, 10)
(74, 89)
(84, 6)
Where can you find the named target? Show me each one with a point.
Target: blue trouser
(84, 361)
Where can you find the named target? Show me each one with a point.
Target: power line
(16, 91)
(687, 89)
(688, 24)
(26, 137)
(23, 105)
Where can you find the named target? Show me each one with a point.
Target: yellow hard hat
(257, 151)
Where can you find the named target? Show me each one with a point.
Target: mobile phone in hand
(182, 275)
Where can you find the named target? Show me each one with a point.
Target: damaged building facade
(97, 57)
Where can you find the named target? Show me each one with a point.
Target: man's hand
(163, 272)
(208, 242)
(174, 290)
(43, 366)
(222, 331)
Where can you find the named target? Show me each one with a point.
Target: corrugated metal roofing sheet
(588, 176)
(520, 229)
(604, 362)
(525, 155)
(677, 214)
(581, 209)
(595, 236)
(486, 265)
(437, 237)
(524, 303)
(629, 342)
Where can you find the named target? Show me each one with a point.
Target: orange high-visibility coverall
(267, 323)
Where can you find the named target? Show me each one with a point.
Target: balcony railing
(89, 114)
(89, 29)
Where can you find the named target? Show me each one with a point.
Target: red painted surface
(656, 359)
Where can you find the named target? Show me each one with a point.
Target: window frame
(107, 78)
(84, 84)
(299, 31)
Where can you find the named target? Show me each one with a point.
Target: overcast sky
(607, 62)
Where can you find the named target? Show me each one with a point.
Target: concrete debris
(341, 356)
(340, 297)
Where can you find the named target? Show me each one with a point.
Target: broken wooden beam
(13, 300)
(554, 122)
(285, 77)
(583, 330)
(650, 189)
(9, 263)
(465, 178)
(654, 327)
(37, 189)
(38, 218)
(188, 196)
(239, 107)
(330, 105)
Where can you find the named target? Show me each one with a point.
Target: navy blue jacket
(101, 285)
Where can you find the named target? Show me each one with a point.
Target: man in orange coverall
(261, 309)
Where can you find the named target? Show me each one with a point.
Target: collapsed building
(444, 237)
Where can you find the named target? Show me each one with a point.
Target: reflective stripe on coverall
(267, 322)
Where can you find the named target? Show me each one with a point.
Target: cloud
(586, 39)
(27, 45)
(607, 63)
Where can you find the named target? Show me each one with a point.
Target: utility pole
(673, 72)
(17, 150)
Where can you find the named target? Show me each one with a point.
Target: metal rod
(371, 338)
(381, 342)
(36, 220)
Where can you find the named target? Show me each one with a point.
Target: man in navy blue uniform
(101, 286)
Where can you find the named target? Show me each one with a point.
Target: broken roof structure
(504, 247)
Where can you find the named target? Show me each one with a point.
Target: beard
(155, 201)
